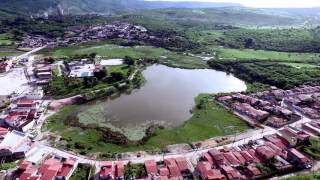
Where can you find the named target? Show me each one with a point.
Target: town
(83, 34)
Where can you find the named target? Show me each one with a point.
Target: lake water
(166, 98)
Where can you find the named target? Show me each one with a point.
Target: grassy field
(250, 54)
(5, 40)
(310, 176)
(208, 120)
(107, 50)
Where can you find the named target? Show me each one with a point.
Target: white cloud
(267, 3)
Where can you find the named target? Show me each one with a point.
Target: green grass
(314, 149)
(310, 176)
(81, 173)
(108, 50)
(208, 120)
(250, 54)
(6, 39)
(9, 165)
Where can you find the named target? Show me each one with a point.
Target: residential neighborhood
(290, 115)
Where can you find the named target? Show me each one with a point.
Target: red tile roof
(206, 156)
(256, 157)
(299, 155)
(231, 172)
(274, 148)
(25, 103)
(174, 170)
(3, 131)
(28, 174)
(119, 169)
(151, 166)
(106, 169)
(164, 171)
(182, 163)
(217, 156)
(254, 170)
(265, 152)
(247, 156)
(25, 165)
(207, 173)
(231, 158)
(238, 155)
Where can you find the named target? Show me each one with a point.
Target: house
(14, 145)
(278, 141)
(299, 159)
(27, 103)
(173, 167)
(106, 170)
(119, 173)
(252, 171)
(294, 136)
(5, 65)
(231, 158)
(164, 171)
(247, 156)
(248, 110)
(240, 158)
(218, 157)
(311, 129)
(205, 172)
(44, 75)
(182, 164)
(231, 173)
(265, 152)
(52, 168)
(151, 167)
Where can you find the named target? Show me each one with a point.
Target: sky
(267, 3)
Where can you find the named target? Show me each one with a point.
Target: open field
(112, 51)
(250, 54)
(5, 40)
(208, 120)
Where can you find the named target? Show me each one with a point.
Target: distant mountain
(31, 7)
(187, 4)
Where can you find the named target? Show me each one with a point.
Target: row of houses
(22, 114)
(271, 113)
(243, 162)
(52, 167)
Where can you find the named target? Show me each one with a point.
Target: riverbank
(208, 120)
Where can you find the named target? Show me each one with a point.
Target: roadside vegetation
(134, 170)
(314, 148)
(309, 176)
(82, 172)
(208, 120)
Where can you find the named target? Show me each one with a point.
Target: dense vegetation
(205, 123)
(294, 40)
(272, 73)
(314, 148)
(82, 172)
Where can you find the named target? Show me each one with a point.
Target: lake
(166, 98)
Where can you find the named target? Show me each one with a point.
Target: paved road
(29, 53)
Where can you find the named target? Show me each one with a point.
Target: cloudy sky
(267, 3)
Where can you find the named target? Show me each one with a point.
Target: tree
(129, 60)
(116, 76)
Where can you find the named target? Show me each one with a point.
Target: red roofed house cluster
(52, 168)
